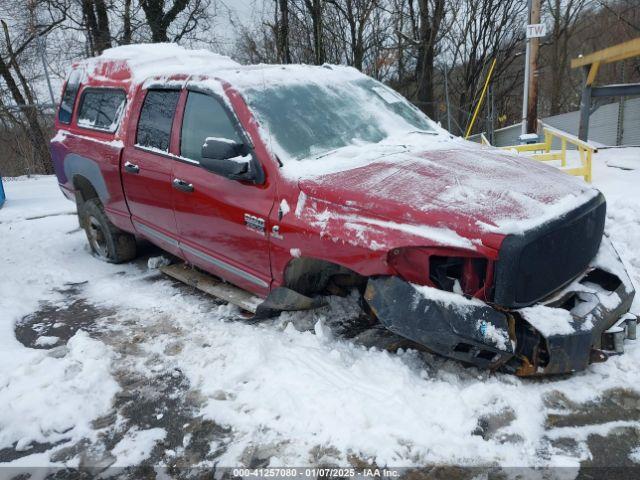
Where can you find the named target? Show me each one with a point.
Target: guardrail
(585, 151)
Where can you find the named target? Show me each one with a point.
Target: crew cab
(292, 182)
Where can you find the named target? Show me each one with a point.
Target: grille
(541, 261)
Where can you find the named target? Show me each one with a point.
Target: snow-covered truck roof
(136, 63)
(142, 63)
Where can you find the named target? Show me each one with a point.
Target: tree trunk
(358, 52)
(103, 35)
(316, 11)
(400, 41)
(126, 23)
(424, 69)
(158, 20)
(97, 24)
(284, 51)
(428, 31)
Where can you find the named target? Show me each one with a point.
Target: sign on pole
(536, 30)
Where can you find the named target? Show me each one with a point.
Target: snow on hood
(464, 190)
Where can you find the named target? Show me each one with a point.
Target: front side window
(69, 96)
(204, 117)
(156, 118)
(101, 109)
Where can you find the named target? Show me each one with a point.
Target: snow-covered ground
(117, 365)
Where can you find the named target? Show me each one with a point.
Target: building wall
(609, 125)
(631, 122)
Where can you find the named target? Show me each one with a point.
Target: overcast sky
(231, 13)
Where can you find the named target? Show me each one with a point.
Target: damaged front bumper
(526, 342)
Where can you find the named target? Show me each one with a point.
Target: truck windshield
(308, 120)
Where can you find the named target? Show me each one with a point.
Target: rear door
(222, 223)
(146, 168)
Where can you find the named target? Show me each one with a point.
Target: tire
(107, 242)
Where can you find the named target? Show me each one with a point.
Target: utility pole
(525, 95)
(534, 30)
(532, 114)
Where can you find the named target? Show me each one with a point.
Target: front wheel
(107, 241)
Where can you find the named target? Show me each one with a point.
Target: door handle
(131, 168)
(183, 186)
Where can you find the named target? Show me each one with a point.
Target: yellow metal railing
(585, 151)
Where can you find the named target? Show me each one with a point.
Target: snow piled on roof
(161, 59)
(252, 76)
(165, 59)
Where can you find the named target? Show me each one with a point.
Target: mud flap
(474, 334)
(284, 299)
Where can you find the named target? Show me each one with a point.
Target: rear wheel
(107, 241)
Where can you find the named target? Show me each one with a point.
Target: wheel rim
(97, 239)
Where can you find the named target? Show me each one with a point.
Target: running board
(213, 286)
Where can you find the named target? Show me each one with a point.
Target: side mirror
(227, 158)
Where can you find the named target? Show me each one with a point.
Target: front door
(147, 167)
(222, 223)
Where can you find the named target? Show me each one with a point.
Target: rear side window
(156, 117)
(101, 109)
(69, 96)
(204, 117)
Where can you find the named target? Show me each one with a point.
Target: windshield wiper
(426, 132)
(330, 152)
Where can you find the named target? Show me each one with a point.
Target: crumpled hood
(479, 193)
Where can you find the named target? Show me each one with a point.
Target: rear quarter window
(69, 95)
(101, 109)
(156, 118)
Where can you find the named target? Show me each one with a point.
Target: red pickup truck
(295, 181)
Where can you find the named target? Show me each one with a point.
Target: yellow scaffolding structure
(591, 65)
(544, 153)
(594, 60)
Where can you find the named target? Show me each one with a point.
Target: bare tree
(282, 31)
(194, 12)
(22, 111)
(357, 15)
(398, 15)
(315, 8)
(430, 16)
(96, 20)
(564, 15)
(481, 31)
(127, 31)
